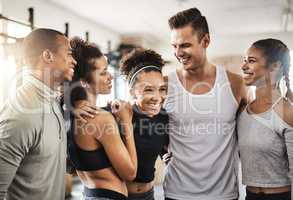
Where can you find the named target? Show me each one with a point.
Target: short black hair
(37, 41)
(139, 58)
(84, 53)
(191, 17)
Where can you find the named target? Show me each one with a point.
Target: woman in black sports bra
(143, 71)
(103, 159)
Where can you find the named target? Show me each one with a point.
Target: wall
(231, 63)
(49, 15)
(237, 45)
(1, 5)
(52, 16)
(227, 51)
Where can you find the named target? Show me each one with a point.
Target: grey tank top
(266, 143)
(203, 142)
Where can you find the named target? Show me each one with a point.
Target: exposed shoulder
(103, 116)
(101, 125)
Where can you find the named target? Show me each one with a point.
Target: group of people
(200, 116)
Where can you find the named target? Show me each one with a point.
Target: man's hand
(167, 157)
(84, 110)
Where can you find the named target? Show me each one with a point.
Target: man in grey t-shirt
(32, 134)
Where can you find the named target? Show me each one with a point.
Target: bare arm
(122, 156)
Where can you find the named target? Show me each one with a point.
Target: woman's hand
(122, 111)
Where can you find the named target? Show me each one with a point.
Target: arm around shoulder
(122, 155)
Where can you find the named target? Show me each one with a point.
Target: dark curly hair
(84, 53)
(139, 58)
(275, 50)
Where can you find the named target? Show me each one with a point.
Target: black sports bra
(85, 160)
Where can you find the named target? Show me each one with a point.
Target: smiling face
(149, 92)
(62, 61)
(254, 67)
(256, 71)
(101, 79)
(189, 51)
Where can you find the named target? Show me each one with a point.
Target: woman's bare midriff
(136, 188)
(275, 190)
(104, 178)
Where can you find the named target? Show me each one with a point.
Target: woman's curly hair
(139, 58)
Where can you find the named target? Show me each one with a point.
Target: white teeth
(183, 60)
(247, 75)
(154, 105)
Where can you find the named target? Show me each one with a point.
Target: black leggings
(103, 194)
(142, 196)
(262, 196)
(178, 199)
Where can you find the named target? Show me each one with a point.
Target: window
(8, 56)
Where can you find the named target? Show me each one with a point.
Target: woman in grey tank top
(265, 127)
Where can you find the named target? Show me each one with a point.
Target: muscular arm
(122, 155)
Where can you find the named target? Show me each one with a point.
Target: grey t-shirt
(32, 145)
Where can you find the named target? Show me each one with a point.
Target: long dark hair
(276, 51)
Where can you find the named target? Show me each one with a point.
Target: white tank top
(203, 142)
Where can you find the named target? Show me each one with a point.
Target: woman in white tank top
(265, 127)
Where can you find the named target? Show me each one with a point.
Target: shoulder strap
(279, 99)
